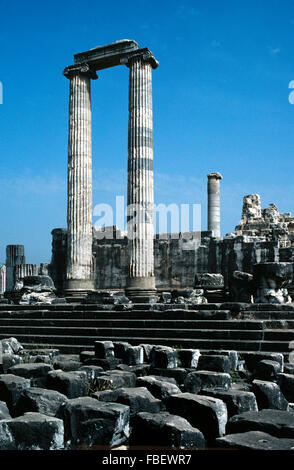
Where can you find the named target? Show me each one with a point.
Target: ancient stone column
(79, 277)
(15, 254)
(2, 279)
(213, 203)
(141, 280)
(24, 270)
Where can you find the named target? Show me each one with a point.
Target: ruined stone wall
(240, 254)
(175, 265)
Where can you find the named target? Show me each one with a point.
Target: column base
(78, 288)
(141, 290)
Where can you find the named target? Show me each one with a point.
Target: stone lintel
(215, 175)
(106, 56)
(83, 69)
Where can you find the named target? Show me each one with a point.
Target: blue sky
(220, 101)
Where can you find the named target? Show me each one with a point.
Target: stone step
(87, 342)
(119, 315)
(278, 324)
(134, 323)
(278, 335)
(269, 315)
(131, 332)
(276, 346)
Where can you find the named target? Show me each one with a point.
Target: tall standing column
(79, 276)
(141, 279)
(213, 206)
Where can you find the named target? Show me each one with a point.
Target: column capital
(80, 69)
(215, 175)
(145, 55)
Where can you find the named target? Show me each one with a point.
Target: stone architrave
(213, 203)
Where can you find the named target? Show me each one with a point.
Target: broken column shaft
(15, 254)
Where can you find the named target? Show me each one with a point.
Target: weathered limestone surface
(141, 278)
(35, 290)
(270, 282)
(15, 254)
(23, 270)
(2, 279)
(79, 211)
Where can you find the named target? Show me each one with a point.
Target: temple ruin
(135, 338)
(140, 263)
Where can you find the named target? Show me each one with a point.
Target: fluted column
(15, 254)
(141, 280)
(213, 203)
(79, 276)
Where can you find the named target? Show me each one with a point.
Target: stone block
(232, 355)
(11, 387)
(39, 400)
(134, 355)
(254, 440)
(141, 369)
(35, 372)
(120, 348)
(165, 430)
(43, 358)
(137, 398)
(92, 371)
(86, 355)
(178, 373)
(164, 357)
(269, 395)
(158, 388)
(104, 349)
(274, 422)
(71, 384)
(189, 357)
(215, 363)
(4, 411)
(207, 414)
(286, 383)
(128, 379)
(209, 380)
(267, 370)
(32, 431)
(237, 401)
(67, 362)
(289, 368)
(9, 360)
(89, 422)
(106, 364)
(11, 346)
(252, 359)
